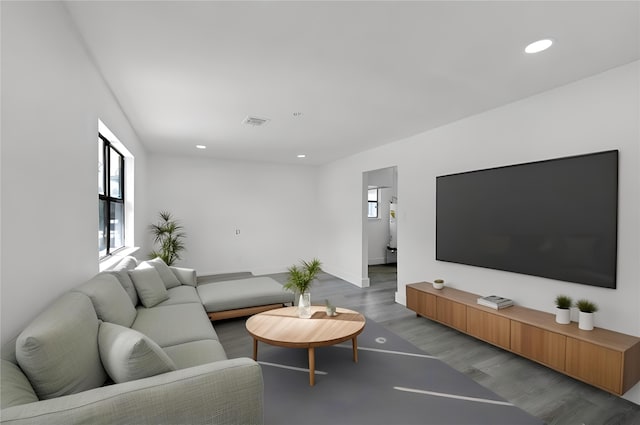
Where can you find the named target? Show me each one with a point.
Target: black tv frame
(611, 273)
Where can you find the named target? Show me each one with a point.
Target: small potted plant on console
(438, 284)
(563, 309)
(587, 308)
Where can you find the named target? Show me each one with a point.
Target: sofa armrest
(224, 392)
(184, 275)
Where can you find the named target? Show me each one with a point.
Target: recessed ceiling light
(538, 46)
(302, 155)
(201, 146)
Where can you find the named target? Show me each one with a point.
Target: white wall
(595, 114)
(52, 98)
(273, 206)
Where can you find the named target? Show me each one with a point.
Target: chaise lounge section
(242, 297)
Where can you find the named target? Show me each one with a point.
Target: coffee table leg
(355, 349)
(255, 349)
(312, 366)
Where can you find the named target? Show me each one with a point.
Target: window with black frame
(110, 198)
(372, 196)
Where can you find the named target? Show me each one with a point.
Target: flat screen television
(556, 218)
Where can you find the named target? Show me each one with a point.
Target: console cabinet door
(538, 344)
(430, 306)
(422, 303)
(595, 364)
(413, 299)
(451, 313)
(489, 327)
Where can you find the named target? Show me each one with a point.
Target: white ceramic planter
(563, 315)
(585, 321)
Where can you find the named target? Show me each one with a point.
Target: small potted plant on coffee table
(330, 309)
(563, 309)
(300, 280)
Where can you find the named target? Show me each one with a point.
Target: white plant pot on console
(585, 321)
(563, 315)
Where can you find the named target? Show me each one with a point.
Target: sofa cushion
(128, 355)
(58, 351)
(121, 271)
(126, 283)
(185, 276)
(180, 295)
(196, 353)
(15, 388)
(110, 300)
(149, 285)
(174, 324)
(242, 293)
(168, 277)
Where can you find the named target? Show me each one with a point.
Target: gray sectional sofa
(131, 345)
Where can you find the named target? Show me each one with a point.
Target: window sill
(108, 262)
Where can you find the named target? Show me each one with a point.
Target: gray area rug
(393, 382)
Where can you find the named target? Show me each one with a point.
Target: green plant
(169, 235)
(301, 277)
(564, 302)
(586, 306)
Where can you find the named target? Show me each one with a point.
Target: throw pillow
(121, 271)
(128, 355)
(58, 351)
(149, 285)
(168, 277)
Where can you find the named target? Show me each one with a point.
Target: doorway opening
(380, 231)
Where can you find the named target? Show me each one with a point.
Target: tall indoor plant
(169, 236)
(300, 280)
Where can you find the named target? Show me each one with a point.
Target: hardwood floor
(550, 396)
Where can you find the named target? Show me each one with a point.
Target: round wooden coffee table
(283, 327)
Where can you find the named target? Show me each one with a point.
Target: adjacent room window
(111, 199)
(373, 203)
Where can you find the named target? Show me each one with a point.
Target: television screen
(555, 219)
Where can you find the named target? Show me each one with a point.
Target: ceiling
(333, 77)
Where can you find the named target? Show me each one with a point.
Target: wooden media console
(605, 359)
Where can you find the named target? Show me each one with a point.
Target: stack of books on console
(495, 302)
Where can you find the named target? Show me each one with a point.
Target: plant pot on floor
(563, 315)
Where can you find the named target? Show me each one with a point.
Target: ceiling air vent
(255, 121)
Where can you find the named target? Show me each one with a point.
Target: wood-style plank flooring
(544, 393)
